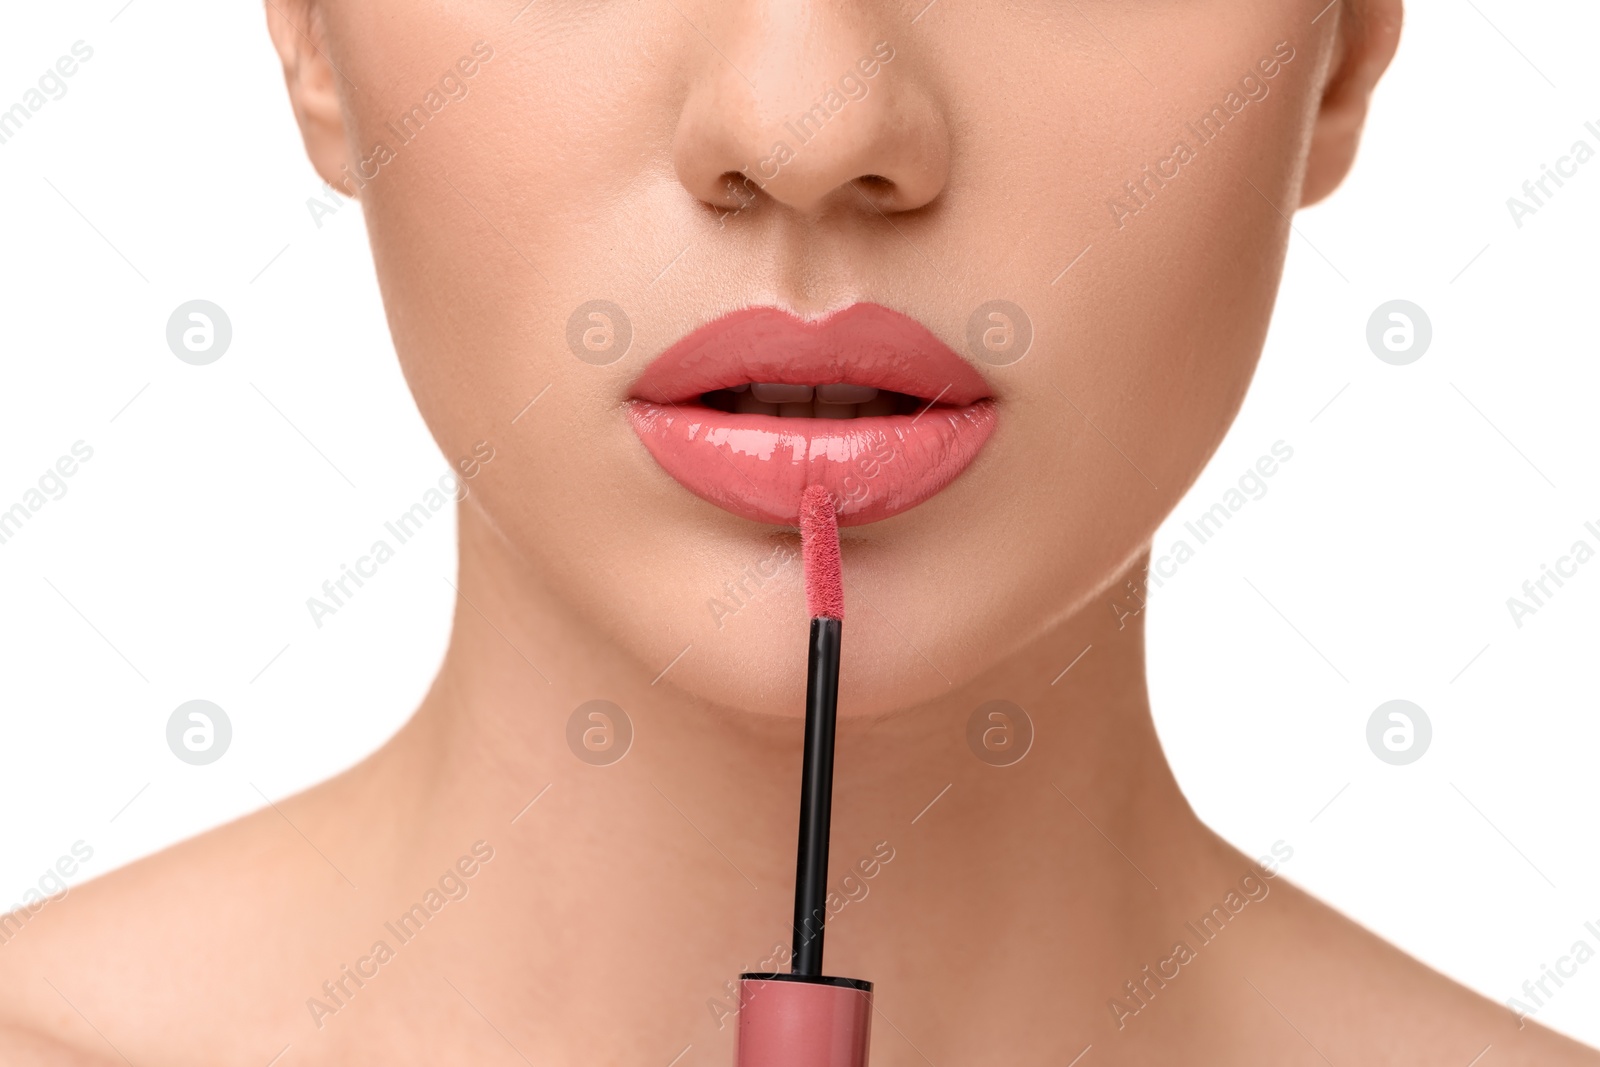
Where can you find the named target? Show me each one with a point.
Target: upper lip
(863, 344)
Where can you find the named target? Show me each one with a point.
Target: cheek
(513, 242)
(531, 194)
(1147, 319)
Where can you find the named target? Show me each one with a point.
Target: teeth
(747, 404)
(878, 405)
(833, 401)
(771, 393)
(845, 394)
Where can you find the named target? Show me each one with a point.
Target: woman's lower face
(1083, 206)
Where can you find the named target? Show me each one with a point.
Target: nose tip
(864, 134)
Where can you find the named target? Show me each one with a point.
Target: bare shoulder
(191, 947)
(1317, 979)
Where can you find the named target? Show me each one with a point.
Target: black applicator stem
(816, 796)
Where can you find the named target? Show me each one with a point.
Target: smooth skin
(589, 159)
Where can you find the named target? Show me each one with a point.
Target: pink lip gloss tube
(789, 1020)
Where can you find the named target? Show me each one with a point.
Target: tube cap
(788, 1020)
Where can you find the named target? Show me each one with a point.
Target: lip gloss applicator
(805, 1018)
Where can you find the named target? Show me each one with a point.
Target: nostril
(879, 191)
(739, 190)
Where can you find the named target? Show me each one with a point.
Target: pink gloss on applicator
(805, 1018)
(819, 554)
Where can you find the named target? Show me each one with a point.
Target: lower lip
(757, 466)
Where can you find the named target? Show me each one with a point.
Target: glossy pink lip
(757, 466)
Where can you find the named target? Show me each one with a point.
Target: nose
(806, 105)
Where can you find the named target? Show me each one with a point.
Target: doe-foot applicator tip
(819, 552)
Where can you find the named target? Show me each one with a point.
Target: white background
(1378, 565)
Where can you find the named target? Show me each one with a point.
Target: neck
(663, 875)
